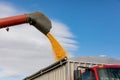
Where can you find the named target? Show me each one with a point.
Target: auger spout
(40, 21)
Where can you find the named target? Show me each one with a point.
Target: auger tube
(37, 19)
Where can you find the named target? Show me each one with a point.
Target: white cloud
(25, 50)
(103, 55)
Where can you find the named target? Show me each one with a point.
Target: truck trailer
(80, 68)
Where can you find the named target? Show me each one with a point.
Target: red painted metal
(11, 21)
(108, 66)
(96, 73)
(103, 66)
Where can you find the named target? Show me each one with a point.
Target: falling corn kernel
(57, 48)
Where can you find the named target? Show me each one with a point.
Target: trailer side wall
(56, 74)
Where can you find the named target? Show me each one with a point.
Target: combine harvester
(76, 68)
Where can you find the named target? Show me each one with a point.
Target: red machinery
(37, 19)
(42, 23)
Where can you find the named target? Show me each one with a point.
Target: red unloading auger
(37, 19)
(42, 23)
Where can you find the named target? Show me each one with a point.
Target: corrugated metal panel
(56, 74)
(73, 66)
(63, 70)
(95, 59)
(47, 70)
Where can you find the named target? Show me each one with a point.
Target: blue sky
(94, 23)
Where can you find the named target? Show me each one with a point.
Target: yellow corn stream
(59, 52)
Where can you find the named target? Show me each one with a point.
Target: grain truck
(80, 68)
